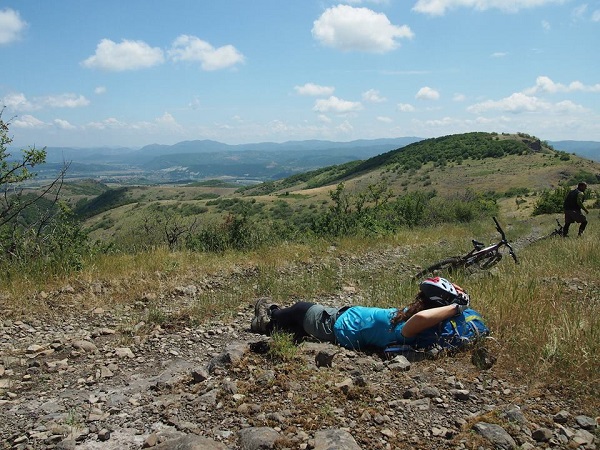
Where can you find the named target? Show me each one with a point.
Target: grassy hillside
(450, 186)
(511, 170)
(483, 161)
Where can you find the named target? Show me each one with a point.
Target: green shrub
(551, 201)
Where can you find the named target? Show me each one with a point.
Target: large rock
(191, 442)
(335, 440)
(497, 435)
(258, 438)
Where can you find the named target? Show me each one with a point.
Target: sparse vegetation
(39, 236)
(294, 238)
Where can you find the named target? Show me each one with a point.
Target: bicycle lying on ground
(481, 257)
(558, 231)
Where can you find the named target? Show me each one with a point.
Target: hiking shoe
(262, 315)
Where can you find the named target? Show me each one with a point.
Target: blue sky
(86, 73)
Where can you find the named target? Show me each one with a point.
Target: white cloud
(63, 124)
(439, 7)
(168, 121)
(579, 12)
(314, 90)
(128, 55)
(28, 121)
(384, 119)
(546, 25)
(194, 104)
(516, 103)
(459, 97)
(337, 105)
(110, 123)
(64, 101)
(100, 90)
(567, 106)
(522, 103)
(372, 96)
(427, 93)
(347, 28)
(596, 16)
(377, 2)
(405, 107)
(192, 49)
(345, 127)
(323, 118)
(11, 26)
(499, 54)
(545, 84)
(19, 102)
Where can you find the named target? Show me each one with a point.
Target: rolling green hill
(508, 170)
(482, 161)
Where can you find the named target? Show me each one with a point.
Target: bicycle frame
(480, 252)
(559, 230)
(486, 256)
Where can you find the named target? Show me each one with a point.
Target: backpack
(455, 333)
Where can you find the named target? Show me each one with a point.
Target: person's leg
(568, 222)
(262, 315)
(582, 224)
(290, 319)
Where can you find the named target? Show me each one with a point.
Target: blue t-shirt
(361, 327)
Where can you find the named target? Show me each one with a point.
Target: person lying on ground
(362, 327)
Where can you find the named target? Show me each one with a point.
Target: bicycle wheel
(447, 264)
(489, 262)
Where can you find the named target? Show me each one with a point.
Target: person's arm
(580, 202)
(427, 319)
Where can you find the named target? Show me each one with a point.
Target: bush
(39, 235)
(234, 233)
(551, 202)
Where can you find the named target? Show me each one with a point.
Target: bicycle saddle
(478, 245)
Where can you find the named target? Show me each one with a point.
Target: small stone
(585, 422)
(542, 435)
(34, 348)
(105, 372)
(460, 394)
(20, 440)
(151, 441)
(430, 392)
(103, 435)
(200, 374)
(583, 437)
(324, 358)
(561, 416)
(86, 346)
(496, 435)
(400, 363)
(124, 352)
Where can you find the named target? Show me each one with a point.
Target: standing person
(361, 327)
(573, 205)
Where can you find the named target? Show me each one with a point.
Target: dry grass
(544, 313)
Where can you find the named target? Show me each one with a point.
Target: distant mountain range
(585, 149)
(202, 159)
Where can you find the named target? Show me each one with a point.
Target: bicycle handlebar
(512, 253)
(499, 228)
(505, 241)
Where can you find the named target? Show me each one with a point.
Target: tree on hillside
(33, 222)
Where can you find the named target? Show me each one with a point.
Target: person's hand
(462, 302)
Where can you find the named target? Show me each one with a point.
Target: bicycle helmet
(440, 291)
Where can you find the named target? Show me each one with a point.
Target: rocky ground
(87, 381)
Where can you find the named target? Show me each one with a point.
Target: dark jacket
(571, 202)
